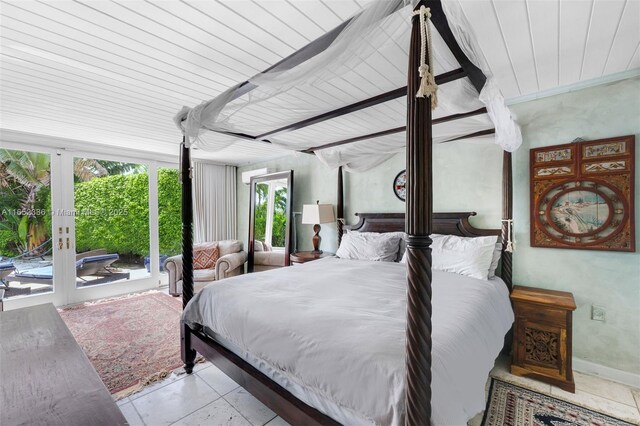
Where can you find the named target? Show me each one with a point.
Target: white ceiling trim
(575, 86)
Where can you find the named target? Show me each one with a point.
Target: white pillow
(401, 243)
(370, 246)
(469, 256)
(404, 250)
(497, 254)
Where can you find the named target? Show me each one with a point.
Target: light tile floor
(209, 397)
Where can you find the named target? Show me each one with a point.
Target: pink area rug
(131, 341)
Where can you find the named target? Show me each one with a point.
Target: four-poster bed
(420, 221)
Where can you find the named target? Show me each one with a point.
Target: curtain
(214, 202)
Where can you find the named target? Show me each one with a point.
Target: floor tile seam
(197, 409)
(603, 397)
(592, 408)
(270, 420)
(206, 405)
(140, 394)
(195, 375)
(221, 395)
(136, 411)
(238, 410)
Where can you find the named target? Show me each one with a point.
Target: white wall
(467, 178)
(608, 279)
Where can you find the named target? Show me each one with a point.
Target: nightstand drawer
(538, 313)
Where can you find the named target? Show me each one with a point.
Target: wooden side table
(308, 256)
(542, 335)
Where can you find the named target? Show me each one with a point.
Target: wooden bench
(45, 377)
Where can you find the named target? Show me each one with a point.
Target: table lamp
(315, 214)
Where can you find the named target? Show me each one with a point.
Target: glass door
(78, 227)
(33, 233)
(113, 226)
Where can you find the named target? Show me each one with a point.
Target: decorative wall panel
(582, 195)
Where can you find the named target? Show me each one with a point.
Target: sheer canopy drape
(214, 202)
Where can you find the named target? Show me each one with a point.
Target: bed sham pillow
(470, 256)
(382, 247)
(402, 246)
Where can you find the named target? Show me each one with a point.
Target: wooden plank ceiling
(116, 72)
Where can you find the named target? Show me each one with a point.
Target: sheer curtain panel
(214, 202)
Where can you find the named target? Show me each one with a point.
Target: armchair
(230, 263)
(265, 258)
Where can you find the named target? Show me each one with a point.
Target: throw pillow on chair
(205, 255)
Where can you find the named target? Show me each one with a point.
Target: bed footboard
(274, 396)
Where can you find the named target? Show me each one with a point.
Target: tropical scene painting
(579, 212)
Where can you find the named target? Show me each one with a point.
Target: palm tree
(25, 173)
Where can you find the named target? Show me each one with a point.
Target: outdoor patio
(22, 286)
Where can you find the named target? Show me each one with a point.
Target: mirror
(270, 221)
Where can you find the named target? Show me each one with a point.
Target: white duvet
(333, 333)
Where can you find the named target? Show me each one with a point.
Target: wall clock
(582, 195)
(399, 185)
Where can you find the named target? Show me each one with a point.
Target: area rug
(511, 405)
(131, 341)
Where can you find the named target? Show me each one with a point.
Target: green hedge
(170, 211)
(112, 213)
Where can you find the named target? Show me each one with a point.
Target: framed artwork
(399, 185)
(582, 195)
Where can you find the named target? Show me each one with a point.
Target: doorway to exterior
(76, 226)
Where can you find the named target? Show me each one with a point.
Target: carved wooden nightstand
(542, 335)
(308, 256)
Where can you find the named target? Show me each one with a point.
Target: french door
(81, 226)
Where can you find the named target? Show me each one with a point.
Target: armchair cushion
(230, 246)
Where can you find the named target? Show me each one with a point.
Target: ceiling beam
(394, 130)
(375, 100)
(442, 25)
(472, 135)
(357, 138)
(238, 135)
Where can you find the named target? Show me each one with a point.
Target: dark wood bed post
(187, 352)
(507, 217)
(340, 206)
(419, 211)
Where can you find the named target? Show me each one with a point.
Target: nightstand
(308, 256)
(542, 335)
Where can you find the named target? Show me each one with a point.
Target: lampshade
(317, 213)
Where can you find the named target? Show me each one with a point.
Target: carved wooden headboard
(443, 223)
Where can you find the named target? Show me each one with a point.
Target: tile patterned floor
(209, 397)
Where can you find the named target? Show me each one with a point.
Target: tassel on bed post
(340, 206)
(187, 352)
(419, 211)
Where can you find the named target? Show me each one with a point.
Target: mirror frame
(288, 175)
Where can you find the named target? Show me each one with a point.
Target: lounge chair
(85, 265)
(5, 270)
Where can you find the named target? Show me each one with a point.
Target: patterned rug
(131, 341)
(511, 405)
